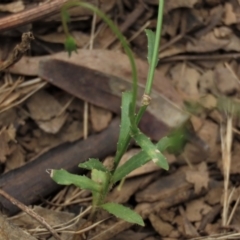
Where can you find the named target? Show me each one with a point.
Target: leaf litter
(198, 66)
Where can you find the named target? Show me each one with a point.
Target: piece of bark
(31, 182)
(9, 231)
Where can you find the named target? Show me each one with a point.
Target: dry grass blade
(233, 210)
(21, 95)
(87, 228)
(86, 105)
(226, 144)
(62, 227)
(220, 236)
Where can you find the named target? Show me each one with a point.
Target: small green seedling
(102, 179)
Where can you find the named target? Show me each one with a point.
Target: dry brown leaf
(213, 228)
(171, 23)
(100, 118)
(45, 109)
(52, 217)
(167, 215)
(54, 37)
(208, 101)
(209, 134)
(207, 43)
(235, 163)
(213, 2)
(72, 132)
(173, 50)
(233, 44)
(172, 4)
(196, 209)
(206, 82)
(131, 235)
(230, 16)
(214, 195)
(197, 123)
(225, 80)
(102, 60)
(16, 158)
(130, 187)
(43, 106)
(7, 134)
(10, 231)
(9, 117)
(163, 228)
(189, 229)
(193, 154)
(222, 32)
(4, 147)
(199, 177)
(186, 79)
(53, 125)
(166, 102)
(13, 7)
(58, 37)
(81, 38)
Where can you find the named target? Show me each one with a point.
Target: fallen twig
(31, 14)
(30, 212)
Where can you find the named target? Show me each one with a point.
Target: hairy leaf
(63, 177)
(147, 146)
(138, 160)
(93, 163)
(123, 212)
(125, 122)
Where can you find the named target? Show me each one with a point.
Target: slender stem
(154, 60)
(140, 113)
(156, 48)
(119, 36)
(149, 80)
(64, 21)
(120, 153)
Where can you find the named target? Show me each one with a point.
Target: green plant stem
(156, 48)
(154, 60)
(120, 153)
(149, 80)
(119, 36)
(64, 22)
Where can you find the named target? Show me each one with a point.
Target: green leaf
(70, 45)
(177, 140)
(125, 122)
(133, 163)
(151, 36)
(147, 146)
(93, 163)
(124, 213)
(163, 144)
(138, 160)
(63, 177)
